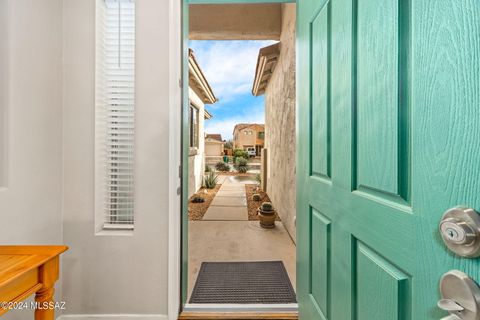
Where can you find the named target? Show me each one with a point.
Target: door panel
(376, 275)
(320, 261)
(380, 111)
(388, 109)
(320, 34)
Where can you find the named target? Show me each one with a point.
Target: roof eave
(266, 62)
(196, 75)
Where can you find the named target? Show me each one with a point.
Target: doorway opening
(240, 148)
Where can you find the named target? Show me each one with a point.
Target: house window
(194, 123)
(115, 113)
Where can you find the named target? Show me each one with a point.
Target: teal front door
(388, 140)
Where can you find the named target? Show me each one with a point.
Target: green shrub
(210, 181)
(222, 166)
(240, 153)
(208, 169)
(241, 165)
(258, 178)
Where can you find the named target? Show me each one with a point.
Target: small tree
(228, 144)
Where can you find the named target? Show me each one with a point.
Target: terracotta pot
(267, 218)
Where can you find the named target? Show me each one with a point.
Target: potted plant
(267, 215)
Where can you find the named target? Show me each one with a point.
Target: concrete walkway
(238, 241)
(229, 204)
(225, 234)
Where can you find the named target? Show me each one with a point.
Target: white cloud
(229, 66)
(225, 127)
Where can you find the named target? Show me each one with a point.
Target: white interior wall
(30, 202)
(114, 274)
(3, 89)
(101, 274)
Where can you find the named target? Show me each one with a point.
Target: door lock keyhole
(460, 230)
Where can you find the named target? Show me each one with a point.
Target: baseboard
(113, 317)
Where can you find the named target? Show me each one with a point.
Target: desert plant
(210, 181)
(267, 215)
(267, 207)
(222, 166)
(241, 165)
(258, 178)
(256, 197)
(198, 199)
(208, 169)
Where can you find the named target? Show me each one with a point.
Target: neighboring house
(248, 135)
(200, 93)
(214, 148)
(275, 77)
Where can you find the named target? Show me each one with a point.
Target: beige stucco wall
(235, 21)
(280, 125)
(213, 148)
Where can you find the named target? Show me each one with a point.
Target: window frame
(194, 128)
(115, 116)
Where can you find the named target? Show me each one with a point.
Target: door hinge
(180, 83)
(180, 171)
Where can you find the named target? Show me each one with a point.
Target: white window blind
(115, 112)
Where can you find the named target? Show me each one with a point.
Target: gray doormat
(265, 282)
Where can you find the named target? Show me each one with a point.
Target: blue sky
(229, 67)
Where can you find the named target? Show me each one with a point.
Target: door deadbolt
(460, 230)
(460, 296)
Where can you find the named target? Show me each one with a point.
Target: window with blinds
(194, 124)
(115, 112)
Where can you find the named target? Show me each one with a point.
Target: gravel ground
(196, 211)
(253, 205)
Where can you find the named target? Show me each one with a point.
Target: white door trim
(174, 150)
